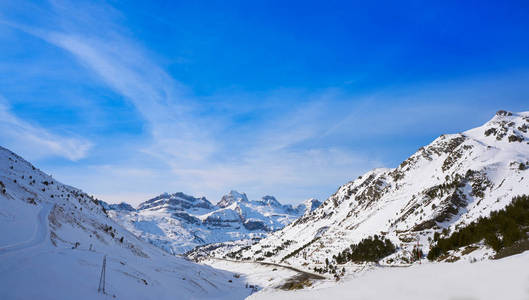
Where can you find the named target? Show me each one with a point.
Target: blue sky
(129, 99)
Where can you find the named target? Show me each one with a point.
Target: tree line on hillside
(369, 249)
(503, 228)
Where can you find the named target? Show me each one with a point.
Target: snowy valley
(55, 237)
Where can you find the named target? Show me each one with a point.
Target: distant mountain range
(178, 222)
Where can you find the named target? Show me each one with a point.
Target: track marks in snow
(39, 235)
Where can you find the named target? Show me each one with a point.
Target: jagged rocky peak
(120, 206)
(503, 113)
(505, 126)
(232, 197)
(176, 201)
(309, 205)
(269, 201)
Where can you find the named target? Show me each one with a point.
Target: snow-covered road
(39, 234)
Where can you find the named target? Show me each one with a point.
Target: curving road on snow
(39, 235)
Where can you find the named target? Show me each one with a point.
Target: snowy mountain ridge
(178, 222)
(447, 184)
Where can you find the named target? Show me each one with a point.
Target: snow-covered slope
(178, 222)
(53, 239)
(487, 280)
(449, 183)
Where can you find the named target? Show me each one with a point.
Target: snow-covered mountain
(53, 240)
(178, 222)
(445, 185)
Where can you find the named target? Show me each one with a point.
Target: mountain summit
(232, 197)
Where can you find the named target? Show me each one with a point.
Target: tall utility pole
(419, 250)
(101, 288)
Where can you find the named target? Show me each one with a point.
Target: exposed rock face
(177, 201)
(120, 206)
(309, 205)
(269, 201)
(232, 197)
(503, 125)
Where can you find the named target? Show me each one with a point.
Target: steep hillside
(53, 240)
(443, 186)
(178, 222)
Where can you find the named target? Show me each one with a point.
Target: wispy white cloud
(159, 99)
(189, 145)
(36, 142)
(198, 157)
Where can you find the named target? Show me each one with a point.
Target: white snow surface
(507, 278)
(53, 238)
(255, 274)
